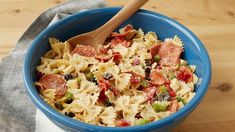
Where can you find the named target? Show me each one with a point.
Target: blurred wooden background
(213, 21)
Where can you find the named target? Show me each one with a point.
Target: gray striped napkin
(17, 112)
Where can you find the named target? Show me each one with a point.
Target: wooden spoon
(98, 36)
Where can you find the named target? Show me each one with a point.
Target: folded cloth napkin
(17, 112)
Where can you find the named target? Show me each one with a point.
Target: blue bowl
(195, 53)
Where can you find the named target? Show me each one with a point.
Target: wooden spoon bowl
(98, 36)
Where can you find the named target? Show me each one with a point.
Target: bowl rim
(72, 123)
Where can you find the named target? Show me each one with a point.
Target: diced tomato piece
(185, 74)
(123, 123)
(117, 57)
(174, 106)
(157, 78)
(172, 93)
(170, 90)
(135, 79)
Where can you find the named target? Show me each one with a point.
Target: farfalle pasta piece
(72, 84)
(163, 114)
(185, 88)
(130, 112)
(149, 112)
(138, 99)
(101, 68)
(108, 116)
(79, 63)
(122, 102)
(91, 113)
(122, 81)
(139, 36)
(139, 70)
(50, 66)
(49, 93)
(150, 39)
(195, 79)
(122, 50)
(58, 48)
(75, 106)
(175, 40)
(175, 84)
(88, 87)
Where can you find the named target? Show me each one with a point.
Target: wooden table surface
(213, 21)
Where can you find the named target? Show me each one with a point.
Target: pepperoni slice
(185, 74)
(54, 81)
(157, 78)
(82, 50)
(119, 40)
(168, 52)
(114, 42)
(115, 34)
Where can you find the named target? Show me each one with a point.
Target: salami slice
(103, 58)
(151, 93)
(82, 50)
(157, 78)
(54, 81)
(127, 30)
(174, 106)
(119, 40)
(168, 52)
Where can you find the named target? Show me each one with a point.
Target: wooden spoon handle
(121, 16)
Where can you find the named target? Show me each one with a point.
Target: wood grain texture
(213, 21)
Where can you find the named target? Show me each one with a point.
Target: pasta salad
(133, 79)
